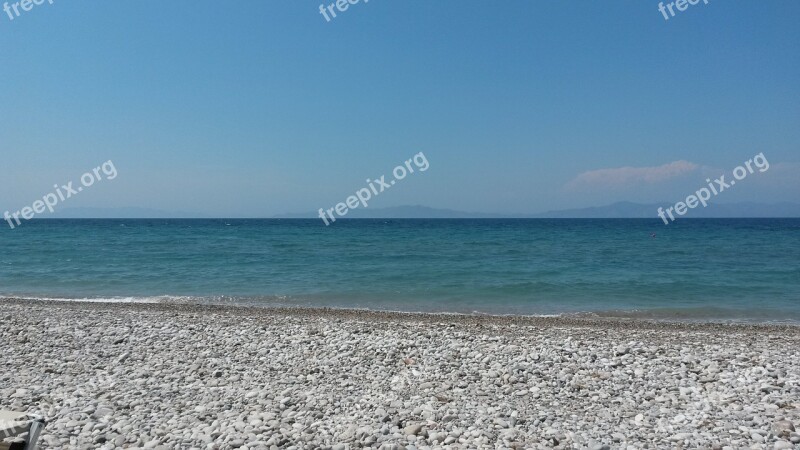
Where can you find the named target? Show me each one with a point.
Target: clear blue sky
(254, 108)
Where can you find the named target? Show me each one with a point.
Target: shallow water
(700, 269)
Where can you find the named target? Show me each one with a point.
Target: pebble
(160, 377)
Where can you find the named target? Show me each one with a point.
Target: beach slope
(180, 376)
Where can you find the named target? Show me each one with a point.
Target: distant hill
(399, 212)
(620, 210)
(629, 210)
(119, 213)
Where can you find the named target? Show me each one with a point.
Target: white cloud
(628, 176)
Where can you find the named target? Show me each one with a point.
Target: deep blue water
(699, 269)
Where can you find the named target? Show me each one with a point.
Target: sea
(719, 270)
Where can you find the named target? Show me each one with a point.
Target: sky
(260, 107)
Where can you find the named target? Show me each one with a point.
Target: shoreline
(167, 376)
(580, 321)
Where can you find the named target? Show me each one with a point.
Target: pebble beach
(109, 376)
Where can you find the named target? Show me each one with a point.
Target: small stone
(102, 412)
(621, 350)
(783, 427)
(680, 437)
(412, 430)
(598, 446)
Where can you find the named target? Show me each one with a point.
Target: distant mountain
(626, 210)
(752, 209)
(619, 210)
(629, 210)
(119, 213)
(399, 212)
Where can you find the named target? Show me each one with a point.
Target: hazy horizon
(615, 210)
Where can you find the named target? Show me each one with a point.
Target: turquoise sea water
(716, 269)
